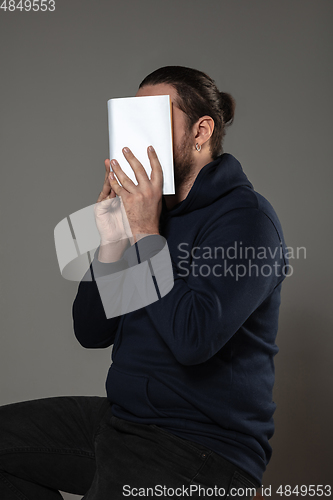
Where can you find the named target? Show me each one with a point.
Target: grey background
(57, 72)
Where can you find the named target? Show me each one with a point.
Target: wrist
(139, 233)
(112, 251)
(111, 243)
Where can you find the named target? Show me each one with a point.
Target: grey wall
(57, 72)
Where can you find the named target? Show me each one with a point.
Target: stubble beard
(183, 161)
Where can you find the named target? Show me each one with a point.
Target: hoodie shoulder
(265, 207)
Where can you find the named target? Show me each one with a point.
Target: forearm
(105, 293)
(91, 327)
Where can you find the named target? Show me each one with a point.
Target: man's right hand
(110, 215)
(111, 221)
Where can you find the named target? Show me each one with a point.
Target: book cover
(138, 122)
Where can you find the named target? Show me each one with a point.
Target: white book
(138, 122)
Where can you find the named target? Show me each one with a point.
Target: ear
(203, 129)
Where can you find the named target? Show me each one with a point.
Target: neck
(181, 192)
(184, 188)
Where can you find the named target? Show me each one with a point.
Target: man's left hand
(142, 202)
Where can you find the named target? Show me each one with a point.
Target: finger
(125, 181)
(112, 193)
(138, 169)
(107, 167)
(156, 176)
(107, 164)
(105, 190)
(119, 190)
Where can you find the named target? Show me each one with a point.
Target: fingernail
(151, 149)
(114, 163)
(126, 150)
(111, 176)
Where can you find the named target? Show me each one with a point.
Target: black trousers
(75, 444)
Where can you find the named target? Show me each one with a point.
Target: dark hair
(198, 95)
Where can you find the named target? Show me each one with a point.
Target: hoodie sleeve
(92, 327)
(219, 287)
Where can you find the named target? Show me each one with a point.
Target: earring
(197, 147)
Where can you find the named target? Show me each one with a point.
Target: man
(189, 405)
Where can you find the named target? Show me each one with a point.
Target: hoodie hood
(215, 180)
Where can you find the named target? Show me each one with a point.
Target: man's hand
(142, 203)
(110, 214)
(111, 222)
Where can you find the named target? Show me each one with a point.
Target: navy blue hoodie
(199, 361)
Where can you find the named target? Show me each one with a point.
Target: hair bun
(228, 104)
